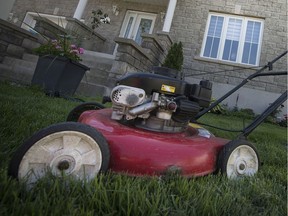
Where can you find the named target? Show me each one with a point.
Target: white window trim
(241, 40)
(135, 14)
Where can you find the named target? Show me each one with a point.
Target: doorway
(136, 23)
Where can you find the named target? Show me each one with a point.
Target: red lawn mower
(148, 131)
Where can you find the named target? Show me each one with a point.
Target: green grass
(26, 110)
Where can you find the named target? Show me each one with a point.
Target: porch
(141, 40)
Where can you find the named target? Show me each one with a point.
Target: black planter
(58, 76)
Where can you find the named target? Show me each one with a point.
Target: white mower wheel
(70, 149)
(238, 158)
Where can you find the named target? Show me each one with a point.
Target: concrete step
(15, 73)
(98, 65)
(30, 57)
(96, 72)
(5, 72)
(97, 75)
(97, 57)
(14, 62)
(92, 90)
(95, 79)
(97, 60)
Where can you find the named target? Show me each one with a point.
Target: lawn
(26, 110)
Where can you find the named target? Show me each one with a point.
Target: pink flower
(73, 46)
(81, 50)
(74, 51)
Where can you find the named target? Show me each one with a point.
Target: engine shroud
(158, 103)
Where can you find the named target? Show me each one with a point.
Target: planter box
(58, 76)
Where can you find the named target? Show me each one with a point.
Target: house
(223, 41)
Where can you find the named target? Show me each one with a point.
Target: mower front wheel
(78, 110)
(238, 158)
(70, 148)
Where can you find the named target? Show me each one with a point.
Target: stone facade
(67, 8)
(189, 25)
(131, 57)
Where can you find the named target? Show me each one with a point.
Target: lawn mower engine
(158, 103)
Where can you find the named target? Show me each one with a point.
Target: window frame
(137, 16)
(224, 31)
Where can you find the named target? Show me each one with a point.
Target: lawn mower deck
(136, 151)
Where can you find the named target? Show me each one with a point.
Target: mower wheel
(70, 149)
(238, 158)
(78, 110)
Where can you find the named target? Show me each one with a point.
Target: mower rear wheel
(238, 158)
(70, 149)
(78, 110)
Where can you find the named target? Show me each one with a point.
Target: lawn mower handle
(256, 74)
(247, 130)
(281, 99)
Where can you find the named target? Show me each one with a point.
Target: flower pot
(58, 76)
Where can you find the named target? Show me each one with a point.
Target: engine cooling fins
(186, 110)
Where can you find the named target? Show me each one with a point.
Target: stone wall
(55, 7)
(48, 29)
(112, 30)
(131, 57)
(82, 35)
(157, 45)
(85, 37)
(67, 8)
(189, 27)
(14, 42)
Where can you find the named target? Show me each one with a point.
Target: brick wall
(189, 27)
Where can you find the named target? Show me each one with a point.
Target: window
(233, 38)
(135, 23)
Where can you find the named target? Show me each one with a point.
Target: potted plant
(173, 62)
(58, 70)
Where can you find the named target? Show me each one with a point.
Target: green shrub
(174, 58)
(219, 109)
(245, 113)
(283, 122)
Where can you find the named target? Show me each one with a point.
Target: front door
(136, 23)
